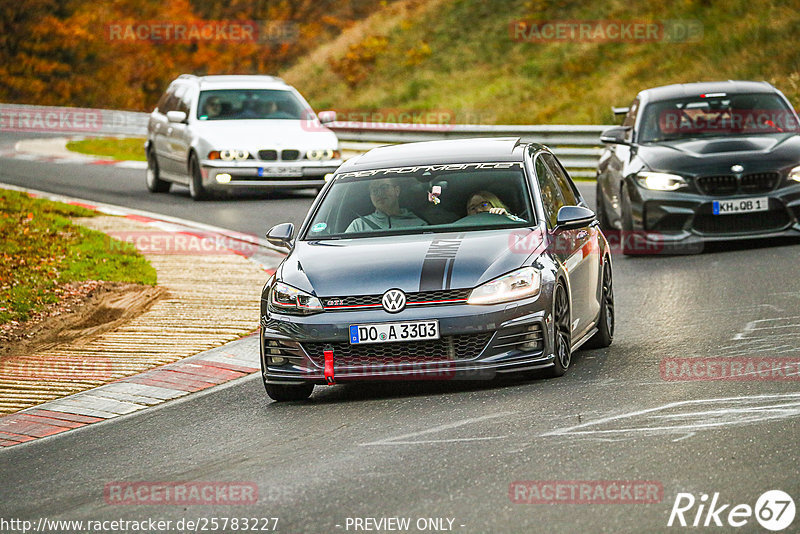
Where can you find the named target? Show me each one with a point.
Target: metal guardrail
(577, 146)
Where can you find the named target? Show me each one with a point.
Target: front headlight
(660, 181)
(323, 154)
(228, 155)
(516, 285)
(284, 298)
(794, 174)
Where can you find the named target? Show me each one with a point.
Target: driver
(488, 202)
(385, 196)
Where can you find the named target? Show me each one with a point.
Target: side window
(630, 119)
(551, 194)
(184, 99)
(567, 193)
(163, 102)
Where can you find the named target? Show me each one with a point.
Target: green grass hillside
(458, 55)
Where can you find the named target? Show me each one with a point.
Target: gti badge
(394, 301)
(737, 169)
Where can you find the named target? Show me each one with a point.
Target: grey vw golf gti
(437, 260)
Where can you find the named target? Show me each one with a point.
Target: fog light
(223, 178)
(277, 360)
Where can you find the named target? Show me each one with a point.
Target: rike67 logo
(774, 510)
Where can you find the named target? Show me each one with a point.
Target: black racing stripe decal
(437, 267)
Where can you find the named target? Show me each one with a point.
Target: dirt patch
(85, 310)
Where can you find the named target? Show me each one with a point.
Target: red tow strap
(329, 378)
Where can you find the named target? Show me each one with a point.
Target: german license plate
(292, 172)
(740, 205)
(393, 332)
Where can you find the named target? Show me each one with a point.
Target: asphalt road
(454, 450)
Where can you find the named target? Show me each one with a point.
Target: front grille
(762, 221)
(448, 348)
(422, 298)
(268, 155)
(757, 182)
(718, 185)
(760, 182)
(290, 155)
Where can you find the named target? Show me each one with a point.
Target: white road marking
(724, 416)
(404, 438)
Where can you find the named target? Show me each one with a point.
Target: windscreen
(432, 198)
(716, 115)
(236, 104)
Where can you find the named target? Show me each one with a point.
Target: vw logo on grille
(737, 169)
(394, 301)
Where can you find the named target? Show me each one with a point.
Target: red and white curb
(155, 386)
(256, 249)
(132, 394)
(40, 150)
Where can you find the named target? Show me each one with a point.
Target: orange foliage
(85, 53)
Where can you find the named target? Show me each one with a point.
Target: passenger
(385, 196)
(213, 107)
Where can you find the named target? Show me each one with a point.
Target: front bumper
(476, 343)
(255, 173)
(681, 221)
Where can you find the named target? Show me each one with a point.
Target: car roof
(473, 150)
(679, 90)
(235, 81)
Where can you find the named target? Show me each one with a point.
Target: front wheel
(154, 182)
(196, 189)
(281, 393)
(562, 333)
(605, 324)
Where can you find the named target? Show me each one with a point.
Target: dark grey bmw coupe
(700, 162)
(437, 260)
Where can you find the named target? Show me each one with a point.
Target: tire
(562, 333)
(154, 183)
(602, 215)
(280, 393)
(605, 324)
(196, 189)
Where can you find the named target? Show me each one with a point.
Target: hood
(425, 262)
(717, 154)
(254, 135)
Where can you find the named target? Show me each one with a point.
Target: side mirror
(281, 235)
(176, 116)
(615, 135)
(570, 217)
(326, 116)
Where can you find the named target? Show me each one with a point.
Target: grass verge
(41, 250)
(121, 148)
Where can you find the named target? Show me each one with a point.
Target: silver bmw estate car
(216, 133)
